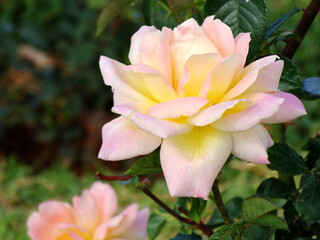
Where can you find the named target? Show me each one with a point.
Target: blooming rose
(90, 218)
(187, 90)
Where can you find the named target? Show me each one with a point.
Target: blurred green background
(53, 104)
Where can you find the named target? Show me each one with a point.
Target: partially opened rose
(187, 90)
(90, 218)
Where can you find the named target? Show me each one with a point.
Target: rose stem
(307, 18)
(217, 199)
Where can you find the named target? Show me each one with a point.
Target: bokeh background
(53, 104)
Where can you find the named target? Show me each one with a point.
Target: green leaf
(225, 231)
(275, 25)
(308, 201)
(258, 232)
(273, 188)
(197, 208)
(285, 160)
(233, 207)
(193, 236)
(180, 202)
(272, 221)
(146, 165)
(290, 78)
(148, 8)
(311, 88)
(313, 158)
(241, 16)
(155, 225)
(109, 12)
(255, 207)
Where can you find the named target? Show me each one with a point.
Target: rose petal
(212, 113)
(268, 78)
(221, 78)
(242, 45)
(115, 75)
(251, 145)
(86, 211)
(188, 39)
(42, 224)
(241, 86)
(264, 106)
(196, 71)
(191, 161)
(257, 65)
(159, 127)
(292, 108)
(105, 199)
(139, 82)
(136, 39)
(123, 140)
(138, 229)
(176, 108)
(221, 35)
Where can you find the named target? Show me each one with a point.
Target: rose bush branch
(207, 231)
(308, 17)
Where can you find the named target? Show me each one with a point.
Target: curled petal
(115, 75)
(268, 78)
(212, 113)
(241, 86)
(123, 140)
(105, 199)
(257, 65)
(136, 39)
(221, 36)
(188, 39)
(176, 108)
(292, 108)
(150, 46)
(159, 127)
(251, 145)
(221, 78)
(264, 106)
(139, 82)
(196, 71)
(86, 211)
(242, 45)
(191, 161)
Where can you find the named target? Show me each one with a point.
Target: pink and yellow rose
(91, 217)
(188, 90)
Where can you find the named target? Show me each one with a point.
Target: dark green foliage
(273, 188)
(197, 208)
(233, 207)
(146, 165)
(224, 232)
(290, 78)
(193, 236)
(286, 160)
(308, 201)
(155, 225)
(109, 12)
